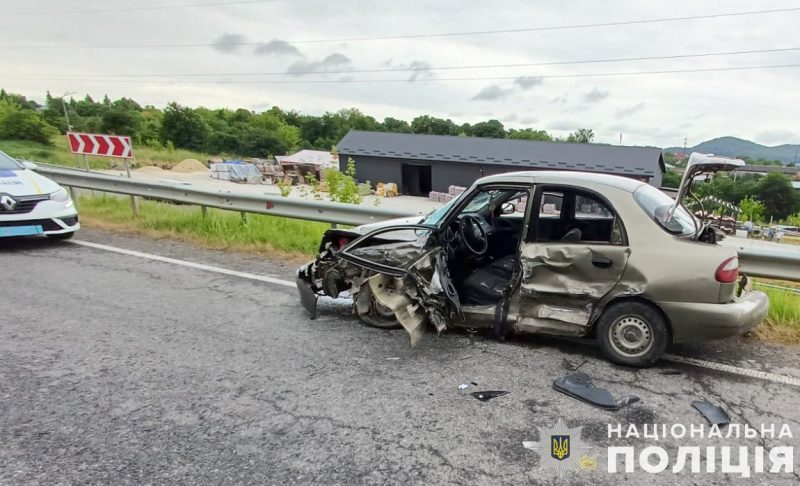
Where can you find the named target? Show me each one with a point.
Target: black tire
(377, 316)
(632, 333)
(62, 236)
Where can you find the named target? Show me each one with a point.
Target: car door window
(575, 216)
(595, 221)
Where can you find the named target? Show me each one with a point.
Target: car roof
(563, 177)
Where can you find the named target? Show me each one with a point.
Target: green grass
(783, 321)
(219, 229)
(58, 153)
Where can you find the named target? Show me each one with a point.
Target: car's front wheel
(632, 333)
(377, 315)
(61, 236)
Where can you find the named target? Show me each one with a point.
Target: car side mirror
(507, 208)
(29, 165)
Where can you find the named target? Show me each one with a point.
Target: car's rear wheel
(378, 315)
(632, 333)
(62, 236)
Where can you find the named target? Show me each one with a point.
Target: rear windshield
(657, 205)
(7, 163)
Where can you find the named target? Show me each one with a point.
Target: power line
(471, 78)
(132, 9)
(425, 69)
(414, 36)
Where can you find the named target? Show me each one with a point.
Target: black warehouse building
(423, 163)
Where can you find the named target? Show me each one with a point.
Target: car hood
(24, 182)
(366, 228)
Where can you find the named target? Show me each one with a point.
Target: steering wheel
(473, 235)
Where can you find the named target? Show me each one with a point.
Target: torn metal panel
(389, 292)
(564, 282)
(558, 268)
(401, 255)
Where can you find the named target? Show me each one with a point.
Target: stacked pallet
(452, 193)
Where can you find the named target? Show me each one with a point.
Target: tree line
(227, 131)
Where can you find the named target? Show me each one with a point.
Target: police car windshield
(7, 163)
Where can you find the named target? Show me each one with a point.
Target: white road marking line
(184, 263)
(762, 375)
(735, 370)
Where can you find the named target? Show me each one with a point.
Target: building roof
(523, 154)
(316, 157)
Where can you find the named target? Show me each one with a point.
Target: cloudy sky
(322, 55)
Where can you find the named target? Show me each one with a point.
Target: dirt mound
(190, 165)
(151, 169)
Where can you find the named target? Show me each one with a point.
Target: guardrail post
(244, 218)
(134, 206)
(204, 211)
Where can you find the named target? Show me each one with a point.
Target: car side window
(575, 216)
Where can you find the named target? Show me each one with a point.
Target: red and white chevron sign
(117, 146)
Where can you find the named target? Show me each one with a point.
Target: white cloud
(229, 42)
(277, 47)
(595, 95)
(714, 102)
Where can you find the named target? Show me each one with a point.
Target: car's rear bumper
(695, 322)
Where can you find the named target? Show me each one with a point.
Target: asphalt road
(120, 369)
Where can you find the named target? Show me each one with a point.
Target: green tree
(489, 129)
(433, 126)
(183, 127)
(671, 179)
(17, 123)
(529, 134)
(582, 135)
(776, 192)
(752, 210)
(395, 125)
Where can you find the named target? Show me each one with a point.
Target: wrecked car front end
(393, 275)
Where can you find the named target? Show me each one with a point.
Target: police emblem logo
(560, 448)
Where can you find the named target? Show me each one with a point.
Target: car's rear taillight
(728, 271)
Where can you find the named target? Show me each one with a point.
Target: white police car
(31, 204)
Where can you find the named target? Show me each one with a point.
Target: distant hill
(736, 147)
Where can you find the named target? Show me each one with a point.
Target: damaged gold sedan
(562, 253)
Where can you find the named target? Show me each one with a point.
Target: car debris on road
(580, 386)
(713, 413)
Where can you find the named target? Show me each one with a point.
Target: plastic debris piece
(580, 386)
(463, 386)
(670, 372)
(485, 396)
(714, 414)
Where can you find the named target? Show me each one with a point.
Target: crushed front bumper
(697, 322)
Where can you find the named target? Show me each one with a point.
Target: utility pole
(64, 107)
(684, 145)
(620, 139)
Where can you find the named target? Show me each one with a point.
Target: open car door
(405, 271)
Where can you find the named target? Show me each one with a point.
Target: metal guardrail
(757, 262)
(769, 263)
(273, 205)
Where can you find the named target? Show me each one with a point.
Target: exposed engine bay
(469, 263)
